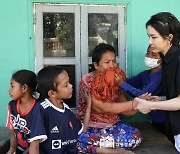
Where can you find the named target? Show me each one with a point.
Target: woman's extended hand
(143, 105)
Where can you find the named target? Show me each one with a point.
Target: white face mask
(151, 62)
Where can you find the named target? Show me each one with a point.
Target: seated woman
(105, 128)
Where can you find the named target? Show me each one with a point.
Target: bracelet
(132, 104)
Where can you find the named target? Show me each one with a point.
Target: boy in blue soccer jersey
(54, 127)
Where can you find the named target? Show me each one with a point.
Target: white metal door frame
(120, 10)
(40, 61)
(81, 59)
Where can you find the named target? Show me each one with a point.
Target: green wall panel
(14, 46)
(113, 2)
(17, 40)
(138, 15)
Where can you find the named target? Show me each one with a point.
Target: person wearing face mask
(148, 81)
(152, 62)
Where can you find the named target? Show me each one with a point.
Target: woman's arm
(123, 98)
(34, 147)
(137, 92)
(111, 108)
(168, 105)
(132, 85)
(135, 81)
(13, 143)
(88, 111)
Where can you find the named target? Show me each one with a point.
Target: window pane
(58, 35)
(91, 68)
(102, 28)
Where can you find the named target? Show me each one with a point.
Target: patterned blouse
(97, 120)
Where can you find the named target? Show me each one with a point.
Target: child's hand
(118, 80)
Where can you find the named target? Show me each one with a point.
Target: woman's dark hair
(26, 77)
(99, 50)
(46, 80)
(166, 23)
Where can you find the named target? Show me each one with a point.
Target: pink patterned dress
(103, 125)
(97, 120)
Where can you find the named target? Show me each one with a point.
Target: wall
(16, 36)
(139, 12)
(15, 46)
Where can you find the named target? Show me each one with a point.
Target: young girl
(54, 127)
(23, 85)
(163, 30)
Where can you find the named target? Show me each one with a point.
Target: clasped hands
(143, 102)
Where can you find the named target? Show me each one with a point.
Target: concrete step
(154, 142)
(4, 134)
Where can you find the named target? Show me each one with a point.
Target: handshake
(146, 102)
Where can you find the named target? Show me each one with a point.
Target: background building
(35, 33)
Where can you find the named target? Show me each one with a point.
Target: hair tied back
(171, 17)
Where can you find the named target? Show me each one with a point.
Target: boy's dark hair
(99, 50)
(166, 23)
(46, 80)
(26, 77)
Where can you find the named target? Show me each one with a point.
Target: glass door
(57, 40)
(66, 34)
(102, 24)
